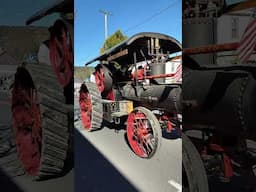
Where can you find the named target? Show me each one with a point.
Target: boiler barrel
(155, 96)
(225, 100)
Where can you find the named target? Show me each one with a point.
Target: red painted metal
(111, 95)
(100, 82)
(28, 128)
(211, 48)
(140, 74)
(228, 169)
(169, 124)
(216, 148)
(99, 79)
(227, 165)
(139, 133)
(85, 108)
(61, 57)
(157, 76)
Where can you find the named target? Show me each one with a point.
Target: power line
(152, 16)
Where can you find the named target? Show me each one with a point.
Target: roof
(61, 6)
(136, 43)
(242, 5)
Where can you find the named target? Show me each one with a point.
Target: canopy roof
(239, 5)
(123, 52)
(60, 6)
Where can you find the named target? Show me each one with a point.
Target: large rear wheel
(91, 108)
(41, 121)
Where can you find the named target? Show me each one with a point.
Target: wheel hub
(140, 134)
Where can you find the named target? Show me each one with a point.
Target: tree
(113, 40)
(83, 73)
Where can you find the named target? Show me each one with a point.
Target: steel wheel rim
(99, 80)
(140, 134)
(27, 126)
(185, 182)
(85, 107)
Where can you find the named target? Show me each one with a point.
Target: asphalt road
(63, 184)
(160, 173)
(104, 162)
(24, 183)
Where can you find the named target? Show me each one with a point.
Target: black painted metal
(137, 43)
(62, 6)
(225, 100)
(164, 97)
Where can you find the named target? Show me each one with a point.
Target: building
(8, 66)
(77, 85)
(174, 66)
(230, 29)
(203, 27)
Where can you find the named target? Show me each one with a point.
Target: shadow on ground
(7, 183)
(93, 172)
(238, 184)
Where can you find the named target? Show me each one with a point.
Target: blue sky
(15, 12)
(163, 16)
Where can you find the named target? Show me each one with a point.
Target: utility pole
(106, 14)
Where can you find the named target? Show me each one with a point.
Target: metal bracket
(117, 120)
(254, 13)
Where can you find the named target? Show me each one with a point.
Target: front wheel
(194, 177)
(143, 132)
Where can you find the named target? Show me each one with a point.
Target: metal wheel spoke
(91, 111)
(27, 125)
(141, 135)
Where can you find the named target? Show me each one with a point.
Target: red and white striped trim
(247, 42)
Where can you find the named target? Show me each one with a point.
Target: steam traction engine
(132, 87)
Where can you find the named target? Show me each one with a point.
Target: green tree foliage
(113, 40)
(83, 73)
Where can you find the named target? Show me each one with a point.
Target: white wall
(224, 35)
(224, 28)
(171, 67)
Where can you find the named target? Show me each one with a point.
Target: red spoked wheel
(40, 121)
(143, 132)
(99, 79)
(91, 110)
(86, 107)
(104, 82)
(27, 124)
